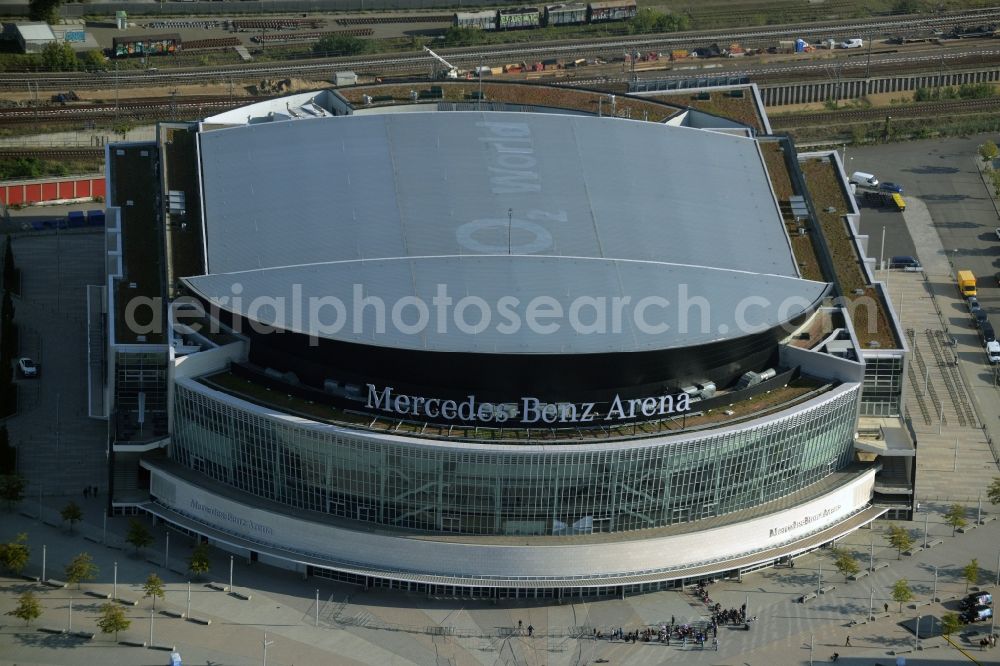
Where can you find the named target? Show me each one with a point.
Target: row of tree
(14, 557)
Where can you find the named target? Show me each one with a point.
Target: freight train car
(521, 17)
(613, 10)
(566, 14)
(145, 45)
(485, 20)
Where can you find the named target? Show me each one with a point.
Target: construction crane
(450, 71)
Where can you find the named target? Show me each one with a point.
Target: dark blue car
(891, 187)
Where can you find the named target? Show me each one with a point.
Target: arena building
(526, 345)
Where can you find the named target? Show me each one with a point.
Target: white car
(997, 230)
(27, 367)
(855, 43)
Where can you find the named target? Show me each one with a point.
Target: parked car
(26, 367)
(987, 333)
(903, 262)
(977, 599)
(993, 352)
(973, 303)
(891, 187)
(997, 231)
(853, 43)
(979, 316)
(997, 278)
(976, 614)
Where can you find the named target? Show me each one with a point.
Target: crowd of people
(668, 634)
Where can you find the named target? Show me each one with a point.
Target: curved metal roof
(513, 304)
(490, 204)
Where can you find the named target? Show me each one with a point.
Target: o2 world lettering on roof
(512, 167)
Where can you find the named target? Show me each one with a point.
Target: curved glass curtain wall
(478, 490)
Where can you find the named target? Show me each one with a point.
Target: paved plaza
(954, 409)
(381, 627)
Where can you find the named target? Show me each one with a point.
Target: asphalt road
(943, 173)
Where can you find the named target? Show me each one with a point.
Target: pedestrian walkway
(357, 626)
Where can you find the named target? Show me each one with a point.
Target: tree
(11, 281)
(113, 619)
(15, 554)
(993, 492)
(901, 592)
(123, 127)
(955, 517)
(44, 10)
(649, 20)
(93, 61)
(988, 151)
(12, 489)
(949, 623)
(846, 563)
(71, 513)
(899, 538)
(153, 587)
(341, 45)
(138, 535)
(28, 608)
(970, 572)
(198, 563)
(906, 7)
(81, 568)
(59, 57)
(8, 455)
(462, 36)
(858, 134)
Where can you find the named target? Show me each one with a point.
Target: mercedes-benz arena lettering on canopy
(502, 352)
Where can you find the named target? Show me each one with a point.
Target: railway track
(922, 110)
(414, 62)
(131, 108)
(51, 153)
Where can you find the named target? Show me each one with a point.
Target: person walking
(885, 607)
(847, 643)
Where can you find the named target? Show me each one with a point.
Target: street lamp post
(43, 563)
(166, 552)
(230, 573)
(114, 593)
(934, 598)
(926, 515)
(871, 606)
(188, 613)
(317, 608)
(266, 643)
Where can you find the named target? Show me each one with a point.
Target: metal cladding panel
(592, 284)
(430, 184)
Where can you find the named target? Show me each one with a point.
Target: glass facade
(482, 489)
(883, 386)
(140, 395)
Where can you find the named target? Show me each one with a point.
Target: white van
(864, 179)
(993, 351)
(853, 43)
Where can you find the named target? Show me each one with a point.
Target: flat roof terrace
(135, 189)
(782, 397)
(588, 101)
(868, 311)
